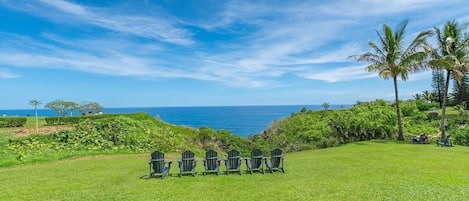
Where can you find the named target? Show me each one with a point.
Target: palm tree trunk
(443, 106)
(35, 111)
(400, 134)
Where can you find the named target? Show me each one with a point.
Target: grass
(376, 170)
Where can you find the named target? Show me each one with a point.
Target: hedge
(73, 120)
(12, 122)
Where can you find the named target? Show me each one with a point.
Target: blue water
(240, 120)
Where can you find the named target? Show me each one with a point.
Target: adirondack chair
(446, 142)
(211, 162)
(276, 161)
(233, 162)
(187, 163)
(157, 165)
(255, 162)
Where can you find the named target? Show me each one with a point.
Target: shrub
(12, 122)
(425, 106)
(408, 108)
(461, 136)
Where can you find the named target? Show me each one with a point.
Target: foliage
(129, 133)
(321, 129)
(12, 122)
(450, 55)
(73, 120)
(424, 105)
(35, 103)
(90, 108)
(374, 120)
(391, 59)
(62, 107)
(408, 108)
(461, 136)
(460, 92)
(438, 84)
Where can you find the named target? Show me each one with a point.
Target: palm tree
(417, 96)
(428, 96)
(35, 103)
(452, 56)
(392, 60)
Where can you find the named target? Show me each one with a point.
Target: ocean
(240, 120)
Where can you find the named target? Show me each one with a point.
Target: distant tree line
(63, 108)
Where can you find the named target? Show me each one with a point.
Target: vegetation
(110, 134)
(12, 122)
(364, 121)
(360, 171)
(62, 107)
(90, 108)
(452, 56)
(332, 174)
(35, 103)
(391, 59)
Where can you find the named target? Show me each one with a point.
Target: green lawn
(378, 170)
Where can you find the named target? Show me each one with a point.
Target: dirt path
(42, 130)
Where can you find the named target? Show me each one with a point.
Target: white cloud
(155, 27)
(338, 74)
(6, 74)
(366, 8)
(269, 41)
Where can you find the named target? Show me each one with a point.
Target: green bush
(461, 136)
(12, 122)
(73, 120)
(425, 106)
(408, 108)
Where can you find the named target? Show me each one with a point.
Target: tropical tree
(451, 54)
(391, 59)
(90, 108)
(62, 107)
(428, 96)
(417, 96)
(325, 106)
(438, 84)
(35, 103)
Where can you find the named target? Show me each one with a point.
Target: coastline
(240, 120)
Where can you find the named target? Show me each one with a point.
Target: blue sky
(143, 53)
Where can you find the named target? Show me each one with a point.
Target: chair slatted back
(211, 158)
(256, 158)
(234, 159)
(188, 160)
(276, 157)
(157, 160)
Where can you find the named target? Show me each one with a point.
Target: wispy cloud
(268, 40)
(6, 74)
(338, 74)
(156, 27)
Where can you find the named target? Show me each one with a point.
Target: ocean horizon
(240, 120)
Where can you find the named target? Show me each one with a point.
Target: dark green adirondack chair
(233, 162)
(187, 163)
(255, 162)
(211, 162)
(446, 142)
(157, 165)
(276, 161)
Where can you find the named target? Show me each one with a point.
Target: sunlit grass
(378, 170)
